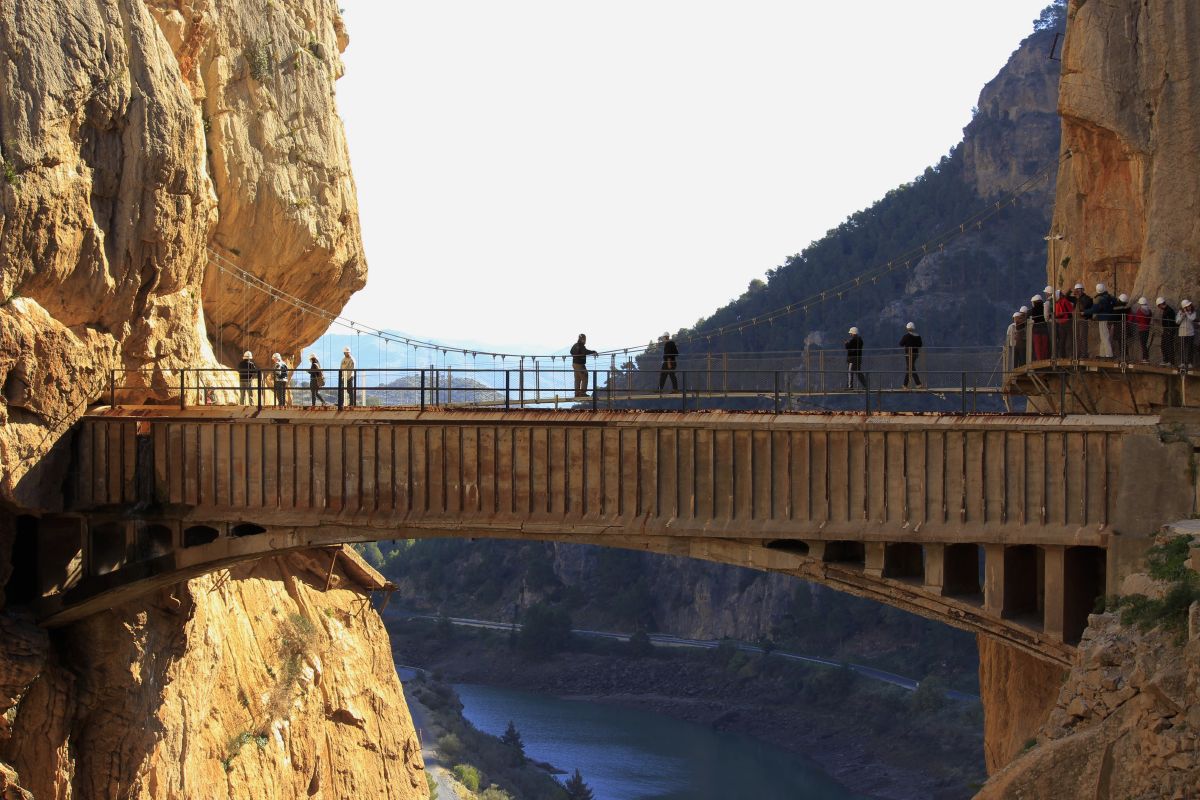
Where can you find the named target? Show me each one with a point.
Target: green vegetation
(480, 760)
(512, 738)
(1166, 562)
(577, 789)
(545, 630)
(259, 59)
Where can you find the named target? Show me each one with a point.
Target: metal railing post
(595, 392)
(683, 390)
(422, 388)
(776, 377)
(260, 390)
(521, 382)
(112, 388)
(183, 389)
(507, 377)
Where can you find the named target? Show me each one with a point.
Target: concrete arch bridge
(1009, 526)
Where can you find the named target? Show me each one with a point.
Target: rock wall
(1126, 202)
(1126, 722)
(1017, 692)
(251, 682)
(134, 137)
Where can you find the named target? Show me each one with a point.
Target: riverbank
(876, 739)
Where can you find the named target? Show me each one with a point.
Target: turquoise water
(629, 754)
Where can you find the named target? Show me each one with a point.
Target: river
(630, 754)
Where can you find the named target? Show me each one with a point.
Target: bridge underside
(1007, 526)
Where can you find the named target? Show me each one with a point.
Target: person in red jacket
(1064, 307)
(1140, 319)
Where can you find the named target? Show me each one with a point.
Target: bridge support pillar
(935, 566)
(993, 579)
(876, 557)
(1054, 592)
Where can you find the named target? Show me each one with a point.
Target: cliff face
(1126, 202)
(1126, 722)
(254, 682)
(134, 137)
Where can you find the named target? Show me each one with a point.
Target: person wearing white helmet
(1186, 318)
(1064, 312)
(316, 381)
(1037, 322)
(911, 342)
(247, 372)
(1139, 323)
(281, 372)
(1083, 302)
(347, 379)
(1101, 313)
(1121, 327)
(670, 354)
(854, 351)
(1014, 340)
(1169, 331)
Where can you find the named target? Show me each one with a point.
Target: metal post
(507, 376)
(422, 388)
(595, 377)
(183, 389)
(260, 390)
(776, 376)
(683, 390)
(521, 382)
(112, 388)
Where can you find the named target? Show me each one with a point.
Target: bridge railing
(766, 381)
(1129, 341)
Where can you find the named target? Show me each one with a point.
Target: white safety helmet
(1024, 309)
(853, 331)
(1100, 287)
(1079, 286)
(1048, 289)
(1037, 298)
(276, 356)
(1187, 303)
(1016, 315)
(1142, 302)
(1162, 301)
(247, 354)
(1124, 298)
(910, 327)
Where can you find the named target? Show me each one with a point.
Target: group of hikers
(1056, 324)
(911, 342)
(580, 352)
(251, 378)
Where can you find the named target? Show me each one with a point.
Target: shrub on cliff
(545, 631)
(467, 775)
(1167, 563)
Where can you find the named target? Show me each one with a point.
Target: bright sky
(531, 169)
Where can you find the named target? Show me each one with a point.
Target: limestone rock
(257, 684)
(1126, 202)
(1017, 692)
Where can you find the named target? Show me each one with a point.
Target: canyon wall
(1126, 201)
(251, 682)
(144, 145)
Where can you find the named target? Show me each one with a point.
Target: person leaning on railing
(1120, 327)
(1064, 311)
(1083, 302)
(1169, 331)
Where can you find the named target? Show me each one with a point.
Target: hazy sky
(531, 169)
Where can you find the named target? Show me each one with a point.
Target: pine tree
(512, 738)
(577, 789)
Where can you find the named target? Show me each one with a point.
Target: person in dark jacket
(1037, 321)
(280, 373)
(1121, 328)
(1102, 312)
(1083, 301)
(1169, 330)
(248, 371)
(316, 380)
(854, 350)
(670, 355)
(579, 354)
(911, 342)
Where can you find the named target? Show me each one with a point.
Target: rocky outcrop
(134, 140)
(251, 682)
(1017, 692)
(1126, 202)
(1126, 722)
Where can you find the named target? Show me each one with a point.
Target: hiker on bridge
(279, 379)
(911, 342)
(1101, 311)
(1187, 332)
(670, 356)
(247, 371)
(1140, 320)
(1170, 331)
(1123, 326)
(1037, 319)
(1014, 339)
(1083, 302)
(1064, 312)
(579, 354)
(316, 380)
(347, 379)
(854, 351)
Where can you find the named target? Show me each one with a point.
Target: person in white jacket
(1186, 319)
(347, 379)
